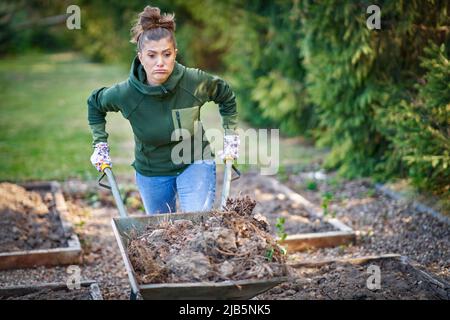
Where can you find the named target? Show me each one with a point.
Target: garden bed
(304, 224)
(400, 279)
(33, 229)
(383, 224)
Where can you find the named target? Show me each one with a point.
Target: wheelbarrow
(236, 290)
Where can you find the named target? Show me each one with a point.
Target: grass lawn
(44, 130)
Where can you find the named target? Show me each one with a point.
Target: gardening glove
(101, 156)
(230, 147)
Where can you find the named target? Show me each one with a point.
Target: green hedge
(364, 82)
(421, 125)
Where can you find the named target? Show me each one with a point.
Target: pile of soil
(345, 281)
(26, 222)
(53, 294)
(227, 245)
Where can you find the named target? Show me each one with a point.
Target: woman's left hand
(230, 147)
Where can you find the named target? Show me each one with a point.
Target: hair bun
(151, 18)
(152, 25)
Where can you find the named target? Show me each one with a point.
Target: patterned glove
(100, 156)
(230, 147)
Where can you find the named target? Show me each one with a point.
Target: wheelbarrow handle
(238, 173)
(229, 166)
(114, 189)
(107, 171)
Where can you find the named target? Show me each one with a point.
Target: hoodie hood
(138, 79)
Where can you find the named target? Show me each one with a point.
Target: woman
(162, 100)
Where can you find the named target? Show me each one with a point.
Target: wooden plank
(301, 242)
(32, 258)
(226, 290)
(63, 211)
(46, 257)
(29, 288)
(21, 290)
(359, 260)
(339, 225)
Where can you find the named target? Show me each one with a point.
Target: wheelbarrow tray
(242, 289)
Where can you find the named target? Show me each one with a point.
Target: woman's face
(158, 60)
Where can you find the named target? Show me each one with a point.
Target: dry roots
(228, 245)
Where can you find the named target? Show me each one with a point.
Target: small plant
(281, 233)
(370, 193)
(326, 199)
(311, 185)
(269, 254)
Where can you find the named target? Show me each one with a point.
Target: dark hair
(151, 25)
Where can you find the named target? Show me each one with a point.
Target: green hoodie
(155, 112)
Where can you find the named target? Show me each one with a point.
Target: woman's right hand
(101, 156)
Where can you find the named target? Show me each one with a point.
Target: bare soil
(274, 205)
(28, 221)
(383, 225)
(228, 245)
(347, 281)
(101, 259)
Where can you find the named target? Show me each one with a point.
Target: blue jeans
(196, 188)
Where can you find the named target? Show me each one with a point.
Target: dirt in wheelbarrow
(348, 281)
(233, 244)
(26, 222)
